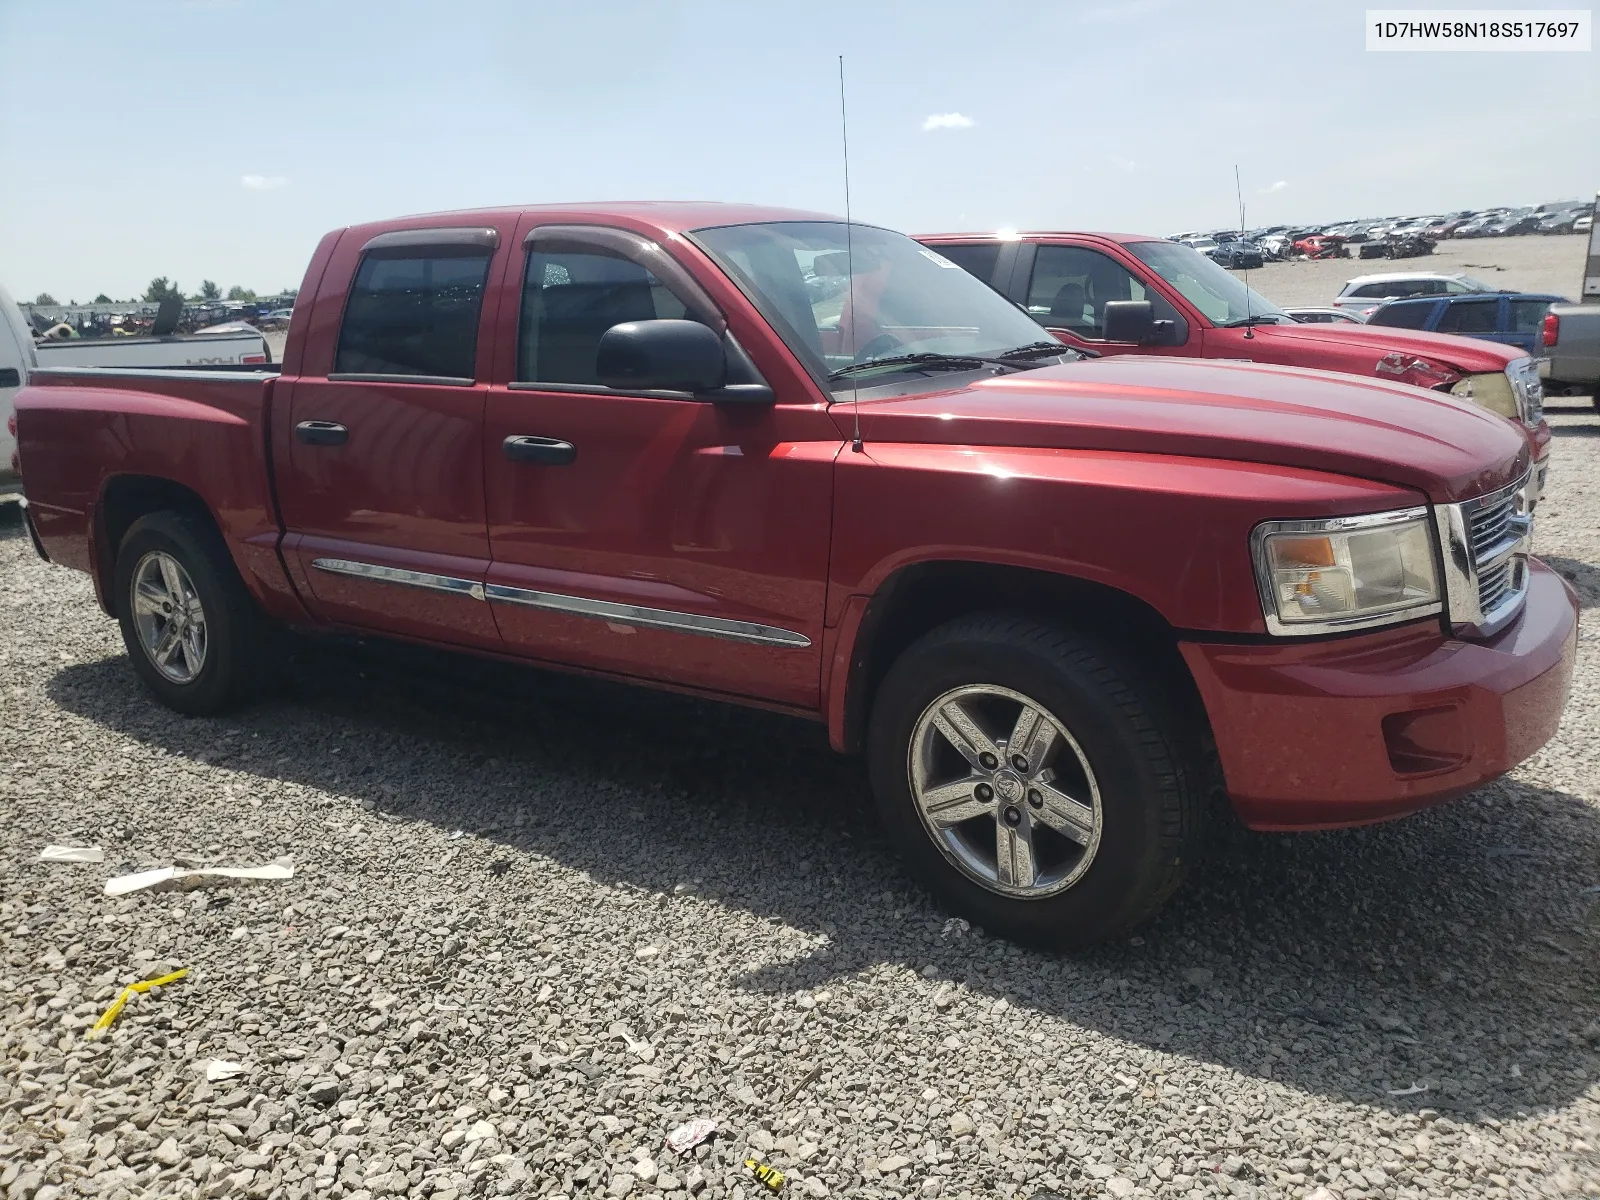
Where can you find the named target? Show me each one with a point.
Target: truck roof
(668, 216)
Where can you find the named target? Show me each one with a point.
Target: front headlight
(1529, 389)
(1491, 390)
(1346, 572)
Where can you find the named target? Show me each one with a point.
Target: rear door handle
(322, 433)
(549, 452)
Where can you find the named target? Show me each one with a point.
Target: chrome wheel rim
(1005, 791)
(168, 617)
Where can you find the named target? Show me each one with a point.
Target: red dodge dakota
(769, 457)
(1170, 299)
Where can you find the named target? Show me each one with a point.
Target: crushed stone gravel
(537, 923)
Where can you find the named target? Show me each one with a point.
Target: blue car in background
(1515, 318)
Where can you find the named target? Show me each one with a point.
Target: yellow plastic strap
(144, 985)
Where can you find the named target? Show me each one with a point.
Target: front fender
(1172, 531)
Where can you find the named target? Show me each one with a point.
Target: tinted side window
(1471, 316)
(411, 315)
(570, 298)
(1402, 316)
(1071, 287)
(980, 259)
(1527, 316)
(1370, 291)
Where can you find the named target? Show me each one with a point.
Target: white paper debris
(217, 1069)
(73, 854)
(690, 1134)
(1413, 1090)
(280, 869)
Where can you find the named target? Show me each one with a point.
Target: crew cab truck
(1170, 300)
(766, 457)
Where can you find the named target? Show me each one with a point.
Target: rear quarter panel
(79, 434)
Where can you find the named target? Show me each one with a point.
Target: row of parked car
(1388, 237)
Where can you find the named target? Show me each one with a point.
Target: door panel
(667, 538)
(686, 541)
(404, 491)
(378, 442)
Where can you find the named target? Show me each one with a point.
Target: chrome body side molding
(419, 579)
(650, 618)
(576, 606)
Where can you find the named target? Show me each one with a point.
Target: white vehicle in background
(1366, 293)
(1315, 315)
(16, 360)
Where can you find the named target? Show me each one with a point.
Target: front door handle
(548, 452)
(322, 433)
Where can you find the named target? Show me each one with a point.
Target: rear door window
(414, 314)
(1412, 315)
(1471, 316)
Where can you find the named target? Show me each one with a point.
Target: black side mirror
(661, 355)
(1129, 321)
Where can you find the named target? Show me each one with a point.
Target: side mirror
(661, 355)
(1129, 321)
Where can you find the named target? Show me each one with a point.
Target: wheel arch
(919, 597)
(123, 499)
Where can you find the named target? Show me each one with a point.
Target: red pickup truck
(765, 456)
(1170, 299)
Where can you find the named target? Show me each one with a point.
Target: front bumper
(1366, 728)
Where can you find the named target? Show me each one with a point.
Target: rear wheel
(1031, 782)
(193, 632)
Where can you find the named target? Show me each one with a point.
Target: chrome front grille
(1486, 542)
(1493, 583)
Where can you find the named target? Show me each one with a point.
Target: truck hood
(1366, 428)
(1467, 355)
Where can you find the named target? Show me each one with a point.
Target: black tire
(1148, 768)
(234, 664)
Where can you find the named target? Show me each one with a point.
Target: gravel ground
(1534, 263)
(536, 923)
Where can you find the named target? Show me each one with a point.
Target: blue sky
(220, 138)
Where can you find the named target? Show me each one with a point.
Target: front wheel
(1031, 782)
(193, 632)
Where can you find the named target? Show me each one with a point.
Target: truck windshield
(1217, 293)
(844, 304)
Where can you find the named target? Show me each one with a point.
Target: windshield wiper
(947, 362)
(1047, 350)
(1257, 319)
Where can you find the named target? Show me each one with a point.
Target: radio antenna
(1249, 329)
(849, 266)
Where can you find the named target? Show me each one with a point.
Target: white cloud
(1276, 187)
(947, 121)
(262, 183)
